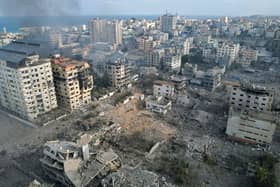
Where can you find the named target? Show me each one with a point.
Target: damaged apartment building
(26, 82)
(209, 80)
(158, 104)
(161, 100)
(251, 97)
(73, 82)
(118, 71)
(250, 118)
(72, 165)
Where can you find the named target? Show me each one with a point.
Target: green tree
(262, 177)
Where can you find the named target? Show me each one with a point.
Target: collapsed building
(128, 176)
(71, 164)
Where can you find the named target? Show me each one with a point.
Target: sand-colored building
(73, 82)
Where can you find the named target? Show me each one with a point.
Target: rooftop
(17, 51)
(254, 89)
(161, 83)
(267, 116)
(157, 100)
(67, 62)
(63, 146)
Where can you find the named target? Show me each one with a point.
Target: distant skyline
(182, 7)
(138, 7)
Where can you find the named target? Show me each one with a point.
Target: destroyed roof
(77, 170)
(128, 176)
(63, 146)
(253, 88)
(272, 117)
(117, 58)
(157, 100)
(68, 62)
(160, 83)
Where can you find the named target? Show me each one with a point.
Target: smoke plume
(39, 7)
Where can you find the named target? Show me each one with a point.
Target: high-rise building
(168, 23)
(187, 46)
(106, 31)
(276, 44)
(172, 62)
(118, 72)
(229, 50)
(153, 58)
(73, 82)
(44, 44)
(26, 84)
(147, 43)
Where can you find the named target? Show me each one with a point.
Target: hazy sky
(150, 7)
(186, 7)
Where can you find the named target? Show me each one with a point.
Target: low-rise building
(164, 89)
(251, 126)
(73, 82)
(158, 104)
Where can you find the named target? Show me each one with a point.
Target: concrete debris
(72, 165)
(36, 183)
(128, 176)
(201, 116)
(153, 150)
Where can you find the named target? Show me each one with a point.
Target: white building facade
(26, 88)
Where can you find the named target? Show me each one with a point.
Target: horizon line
(198, 15)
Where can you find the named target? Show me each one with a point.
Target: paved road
(12, 130)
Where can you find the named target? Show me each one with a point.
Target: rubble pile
(128, 176)
(71, 164)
